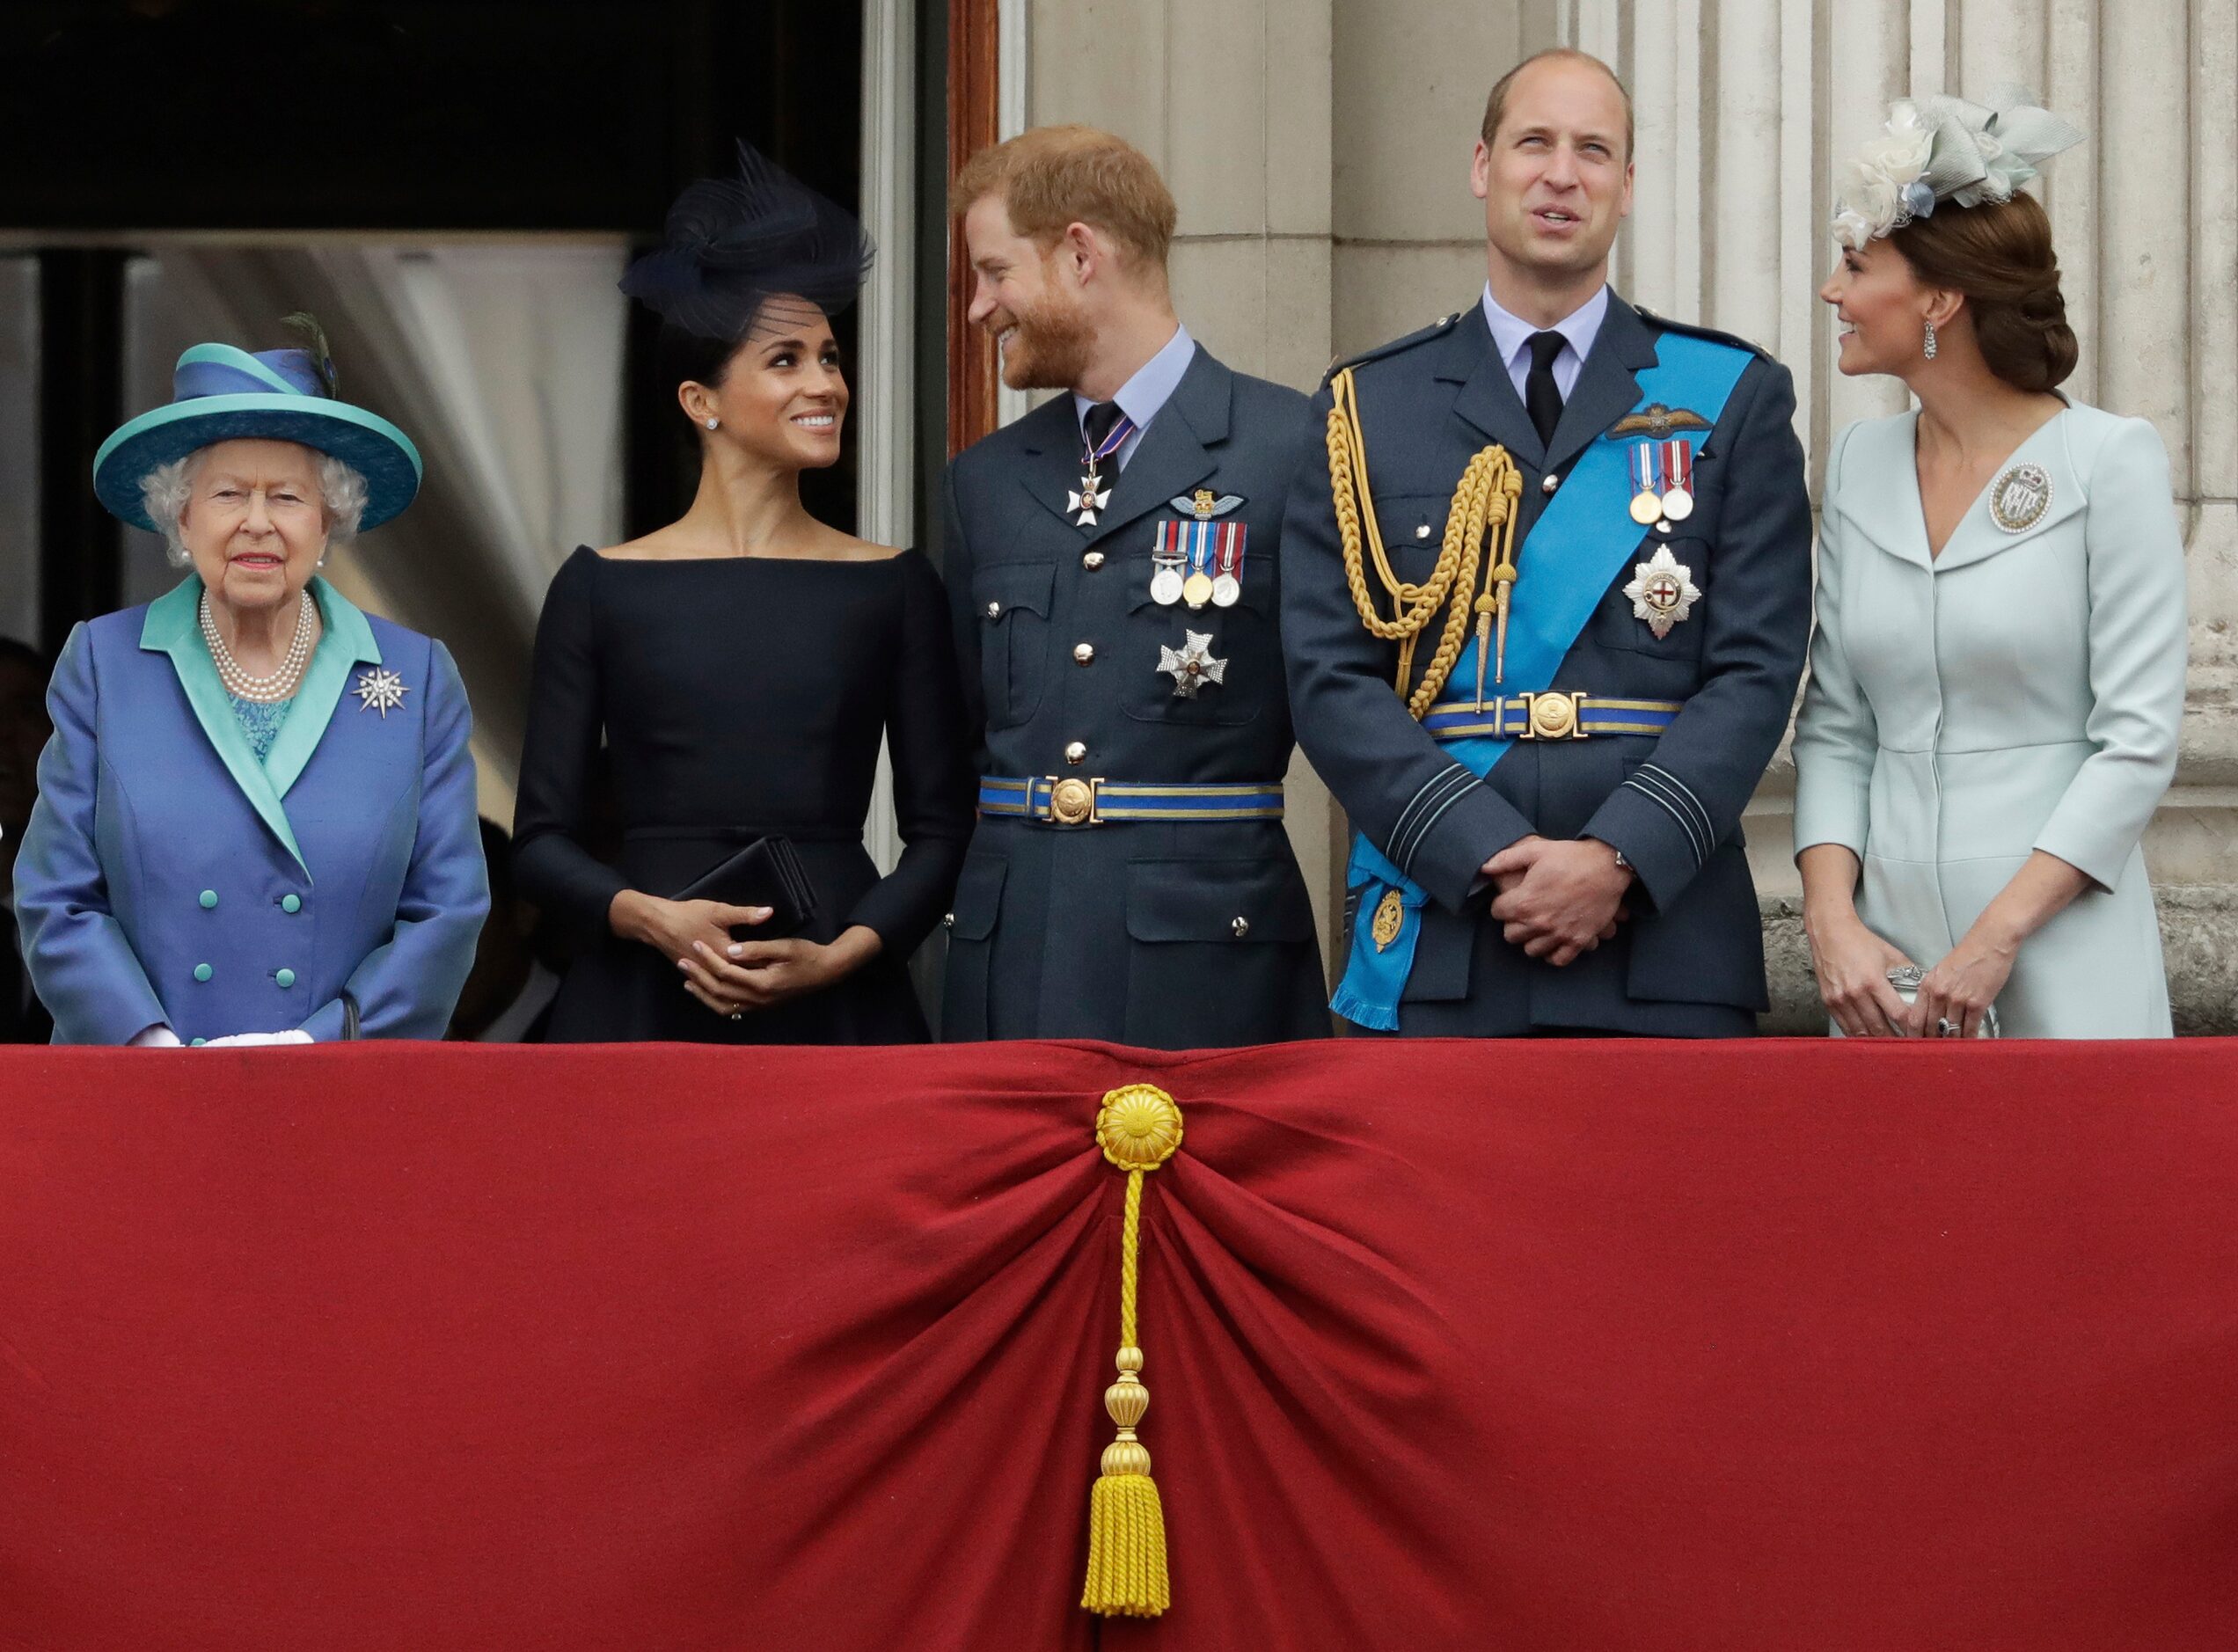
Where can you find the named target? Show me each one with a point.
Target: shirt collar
(1152, 387)
(1581, 326)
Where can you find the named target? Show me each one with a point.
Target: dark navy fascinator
(731, 244)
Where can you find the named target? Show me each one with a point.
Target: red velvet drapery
(1544, 1345)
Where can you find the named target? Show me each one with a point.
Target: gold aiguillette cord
(1487, 495)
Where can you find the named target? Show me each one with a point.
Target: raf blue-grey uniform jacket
(167, 877)
(1177, 936)
(1690, 960)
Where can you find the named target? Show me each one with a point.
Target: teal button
(209, 899)
(290, 904)
(196, 1044)
(202, 972)
(286, 978)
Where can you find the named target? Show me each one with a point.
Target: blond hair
(1054, 176)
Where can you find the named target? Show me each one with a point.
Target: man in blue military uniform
(1112, 560)
(1574, 540)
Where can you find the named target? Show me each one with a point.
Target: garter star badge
(1662, 591)
(1191, 666)
(2020, 497)
(380, 689)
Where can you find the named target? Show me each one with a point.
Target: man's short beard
(1057, 340)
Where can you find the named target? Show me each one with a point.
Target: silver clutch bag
(1905, 978)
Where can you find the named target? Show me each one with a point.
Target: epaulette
(1694, 330)
(1436, 330)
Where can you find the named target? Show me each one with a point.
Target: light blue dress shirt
(1512, 337)
(1151, 388)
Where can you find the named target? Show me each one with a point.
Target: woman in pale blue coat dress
(256, 818)
(1998, 672)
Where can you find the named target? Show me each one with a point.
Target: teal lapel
(171, 628)
(346, 641)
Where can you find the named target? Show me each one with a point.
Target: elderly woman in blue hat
(256, 819)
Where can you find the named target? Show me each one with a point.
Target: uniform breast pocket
(1412, 526)
(1658, 591)
(1012, 602)
(1211, 666)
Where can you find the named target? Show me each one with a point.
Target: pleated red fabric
(1553, 1345)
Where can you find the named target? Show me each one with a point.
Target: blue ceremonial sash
(1572, 553)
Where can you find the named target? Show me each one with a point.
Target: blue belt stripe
(1119, 800)
(1508, 719)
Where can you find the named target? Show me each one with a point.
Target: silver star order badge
(1088, 499)
(380, 689)
(1662, 591)
(1191, 666)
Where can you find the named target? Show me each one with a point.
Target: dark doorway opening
(134, 122)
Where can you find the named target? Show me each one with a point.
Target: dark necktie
(1541, 396)
(1099, 422)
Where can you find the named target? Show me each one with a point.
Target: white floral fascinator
(1942, 149)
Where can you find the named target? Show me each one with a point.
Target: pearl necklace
(280, 684)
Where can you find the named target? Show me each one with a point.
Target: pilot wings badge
(1658, 422)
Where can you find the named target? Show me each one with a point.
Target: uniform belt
(1072, 801)
(1551, 715)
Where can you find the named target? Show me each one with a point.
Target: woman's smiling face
(1880, 308)
(255, 521)
(783, 397)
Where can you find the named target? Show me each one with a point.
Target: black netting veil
(732, 244)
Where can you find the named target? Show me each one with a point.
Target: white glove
(156, 1037)
(242, 1041)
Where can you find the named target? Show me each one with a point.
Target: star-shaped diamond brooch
(1662, 591)
(1191, 666)
(380, 689)
(1089, 498)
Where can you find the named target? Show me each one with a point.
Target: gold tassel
(1139, 1128)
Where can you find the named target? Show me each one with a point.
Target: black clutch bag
(766, 873)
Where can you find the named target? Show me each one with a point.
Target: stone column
(1231, 98)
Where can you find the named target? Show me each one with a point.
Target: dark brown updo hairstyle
(1999, 254)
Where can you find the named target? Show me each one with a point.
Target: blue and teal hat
(222, 394)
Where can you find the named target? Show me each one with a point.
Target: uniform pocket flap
(978, 896)
(1230, 901)
(1008, 585)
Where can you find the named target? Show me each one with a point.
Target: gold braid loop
(1485, 497)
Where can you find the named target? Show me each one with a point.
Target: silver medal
(1225, 588)
(1166, 586)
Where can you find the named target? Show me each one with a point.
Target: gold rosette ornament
(1139, 1128)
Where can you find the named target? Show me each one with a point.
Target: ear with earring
(1931, 341)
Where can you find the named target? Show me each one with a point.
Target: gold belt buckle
(1072, 800)
(1553, 715)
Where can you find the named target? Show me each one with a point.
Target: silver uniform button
(1242, 927)
(1076, 753)
(947, 920)
(994, 611)
(1092, 561)
(1422, 531)
(1549, 482)
(1084, 653)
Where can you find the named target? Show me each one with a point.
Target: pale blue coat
(169, 877)
(2021, 691)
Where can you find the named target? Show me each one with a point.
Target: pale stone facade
(1319, 151)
